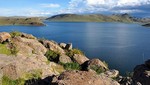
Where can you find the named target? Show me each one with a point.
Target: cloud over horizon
(53, 7)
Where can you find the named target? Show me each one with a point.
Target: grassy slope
(20, 21)
(89, 18)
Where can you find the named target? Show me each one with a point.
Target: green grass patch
(97, 69)
(4, 49)
(52, 56)
(71, 66)
(71, 53)
(15, 33)
(8, 81)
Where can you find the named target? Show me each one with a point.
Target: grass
(71, 66)
(4, 49)
(52, 56)
(97, 69)
(71, 53)
(15, 33)
(8, 81)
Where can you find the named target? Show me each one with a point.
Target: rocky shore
(26, 60)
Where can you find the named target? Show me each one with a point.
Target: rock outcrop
(4, 36)
(80, 58)
(82, 78)
(142, 74)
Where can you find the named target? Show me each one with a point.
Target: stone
(28, 36)
(4, 36)
(80, 58)
(142, 74)
(51, 45)
(82, 78)
(96, 62)
(63, 45)
(147, 63)
(65, 59)
(1, 76)
(69, 46)
(112, 73)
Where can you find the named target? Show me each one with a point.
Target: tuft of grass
(15, 33)
(8, 81)
(34, 74)
(71, 66)
(52, 56)
(71, 53)
(106, 64)
(97, 69)
(4, 49)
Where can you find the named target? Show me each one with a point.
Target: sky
(139, 8)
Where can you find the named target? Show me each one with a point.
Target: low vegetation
(71, 53)
(97, 69)
(8, 81)
(71, 66)
(4, 49)
(52, 56)
(15, 34)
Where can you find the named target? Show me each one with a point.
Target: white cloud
(50, 5)
(107, 5)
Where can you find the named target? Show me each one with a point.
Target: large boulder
(28, 36)
(69, 46)
(80, 58)
(82, 78)
(4, 36)
(65, 59)
(51, 45)
(96, 63)
(63, 45)
(142, 74)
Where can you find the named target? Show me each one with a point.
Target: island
(27, 21)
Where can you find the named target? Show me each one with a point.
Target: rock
(1, 76)
(28, 36)
(147, 63)
(52, 46)
(112, 73)
(142, 74)
(65, 59)
(4, 36)
(97, 63)
(80, 58)
(82, 78)
(69, 46)
(63, 45)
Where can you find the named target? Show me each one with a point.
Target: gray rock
(80, 58)
(69, 46)
(65, 59)
(112, 73)
(1, 75)
(63, 45)
(4, 36)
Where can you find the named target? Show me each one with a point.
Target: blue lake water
(121, 45)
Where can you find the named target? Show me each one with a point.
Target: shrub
(97, 69)
(71, 66)
(71, 53)
(15, 33)
(106, 64)
(8, 81)
(52, 56)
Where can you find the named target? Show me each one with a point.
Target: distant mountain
(92, 18)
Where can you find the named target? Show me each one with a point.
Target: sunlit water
(122, 46)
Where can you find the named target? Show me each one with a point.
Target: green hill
(91, 18)
(34, 21)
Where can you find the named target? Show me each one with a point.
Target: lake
(121, 45)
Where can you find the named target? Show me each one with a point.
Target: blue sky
(53, 7)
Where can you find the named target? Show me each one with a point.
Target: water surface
(121, 45)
